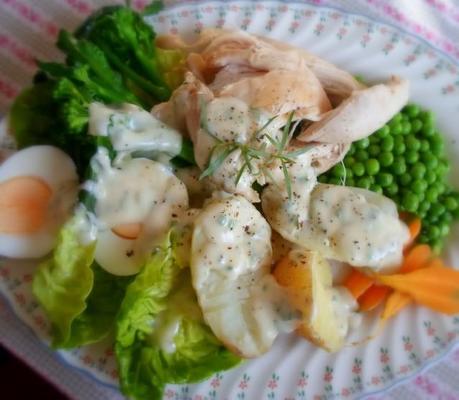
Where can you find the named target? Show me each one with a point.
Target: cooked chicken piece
(323, 155)
(280, 92)
(361, 114)
(337, 83)
(233, 47)
(182, 110)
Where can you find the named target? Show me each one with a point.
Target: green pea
(396, 128)
(387, 143)
(349, 173)
(374, 139)
(425, 146)
(416, 125)
(362, 143)
(412, 143)
(372, 166)
(351, 151)
(424, 207)
(419, 186)
(374, 150)
(451, 203)
(448, 217)
(428, 131)
(440, 187)
(364, 182)
(334, 181)
(399, 149)
(411, 156)
(433, 232)
(428, 117)
(376, 188)
(406, 127)
(418, 171)
(385, 179)
(437, 209)
(358, 169)
(442, 168)
(349, 161)
(339, 170)
(386, 159)
(431, 195)
(412, 110)
(350, 182)
(399, 166)
(444, 229)
(437, 146)
(361, 155)
(392, 189)
(383, 132)
(397, 117)
(410, 202)
(430, 161)
(430, 176)
(405, 179)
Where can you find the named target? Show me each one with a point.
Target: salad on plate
(195, 199)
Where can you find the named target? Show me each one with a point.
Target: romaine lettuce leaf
(80, 298)
(161, 335)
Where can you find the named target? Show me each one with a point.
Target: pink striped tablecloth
(28, 30)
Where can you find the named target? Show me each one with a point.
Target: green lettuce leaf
(80, 299)
(161, 335)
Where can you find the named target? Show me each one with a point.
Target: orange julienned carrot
(358, 283)
(414, 227)
(394, 304)
(373, 297)
(434, 287)
(417, 257)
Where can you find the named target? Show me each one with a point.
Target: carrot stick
(373, 297)
(23, 204)
(358, 283)
(414, 227)
(394, 304)
(433, 287)
(417, 257)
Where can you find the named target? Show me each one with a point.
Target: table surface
(436, 21)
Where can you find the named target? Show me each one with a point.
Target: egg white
(57, 169)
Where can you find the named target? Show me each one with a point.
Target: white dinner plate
(295, 369)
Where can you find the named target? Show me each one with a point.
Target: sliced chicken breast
(364, 112)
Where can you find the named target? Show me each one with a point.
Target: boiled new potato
(307, 278)
(230, 268)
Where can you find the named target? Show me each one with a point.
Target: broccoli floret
(128, 43)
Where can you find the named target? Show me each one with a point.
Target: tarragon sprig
(222, 150)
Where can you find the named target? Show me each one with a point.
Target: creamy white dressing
(135, 191)
(231, 253)
(132, 129)
(345, 310)
(272, 301)
(351, 225)
(198, 189)
(228, 120)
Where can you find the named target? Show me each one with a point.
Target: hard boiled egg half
(136, 201)
(38, 189)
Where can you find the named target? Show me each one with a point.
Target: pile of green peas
(405, 160)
